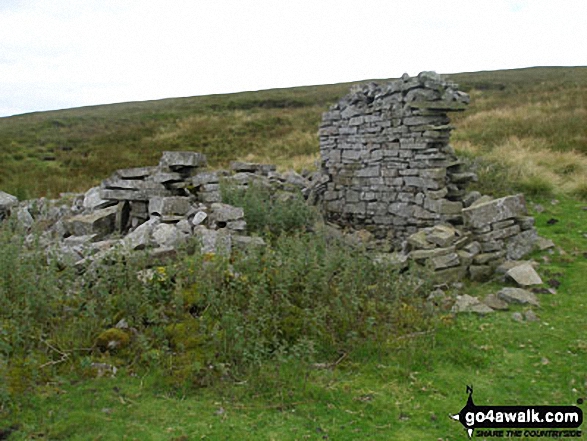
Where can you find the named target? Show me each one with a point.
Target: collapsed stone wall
(385, 152)
(388, 175)
(155, 208)
(388, 168)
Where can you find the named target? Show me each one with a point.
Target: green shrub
(535, 187)
(306, 292)
(269, 211)
(203, 317)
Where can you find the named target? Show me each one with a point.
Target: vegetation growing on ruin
(307, 338)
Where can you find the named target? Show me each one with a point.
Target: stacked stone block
(206, 186)
(155, 208)
(142, 191)
(446, 250)
(385, 152)
(502, 228)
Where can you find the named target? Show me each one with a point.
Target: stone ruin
(388, 177)
(156, 209)
(388, 168)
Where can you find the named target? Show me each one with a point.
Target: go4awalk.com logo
(519, 421)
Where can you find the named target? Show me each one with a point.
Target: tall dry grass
(524, 114)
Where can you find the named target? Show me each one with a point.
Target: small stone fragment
(496, 303)
(543, 243)
(524, 275)
(531, 316)
(467, 303)
(199, 217)
(518, 295)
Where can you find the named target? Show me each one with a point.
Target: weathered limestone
(166, 235)
(93, 201)
(491, 212)
(385, 151)
(169, 206)
(467, 303)
(100, 222)
(518, 295)
(524, 275)
(24, 217)
(207, 186)
(155, 209)
(213, 241)
(444, 249)
(179, 161)
(159, 189)
(495, 303)
(502, 224)
(7, 201)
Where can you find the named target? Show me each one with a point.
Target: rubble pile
(388, 178)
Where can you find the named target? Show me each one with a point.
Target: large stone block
(100, 222)
(518, 295)
(479, 215)
(521, 244)
(444, 261)
(223, 213)
(135, 173)
(175, 205)
(141, 238)
(182, 159)
(7, 201)
(429, 254)
(93, 201)
(498, 234)
(205, 178)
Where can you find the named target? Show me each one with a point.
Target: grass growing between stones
(524, 131)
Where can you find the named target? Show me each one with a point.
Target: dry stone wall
(388, 175)
(387, 167)
(385, 151)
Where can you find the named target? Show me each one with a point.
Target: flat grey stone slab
(524, 275)
(467, 303)
(479, 215)
(100, 222)
(518, 295)
(182, 159)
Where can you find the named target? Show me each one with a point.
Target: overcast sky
(69, 53)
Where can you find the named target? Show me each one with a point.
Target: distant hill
(538, 110)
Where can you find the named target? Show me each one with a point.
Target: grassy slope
(71, 150)
(404, 395)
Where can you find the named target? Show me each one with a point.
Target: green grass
(523, 131)
(404, 390)
(404, 393)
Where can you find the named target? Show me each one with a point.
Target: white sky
(68, 53)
